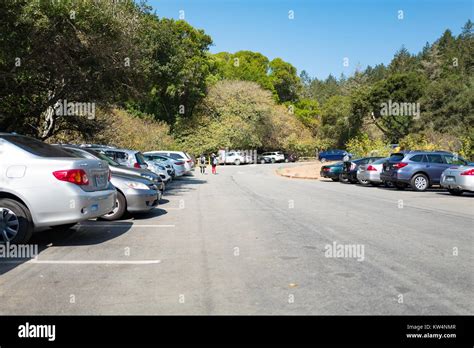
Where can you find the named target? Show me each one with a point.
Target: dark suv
(418, 169)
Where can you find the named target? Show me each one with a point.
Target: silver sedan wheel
(116, 208)
(421, 183)
(9, 224)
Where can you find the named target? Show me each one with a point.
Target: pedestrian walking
(202, 163)
(214, 161)
(347, 164)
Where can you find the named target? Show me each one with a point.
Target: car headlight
(137, 185)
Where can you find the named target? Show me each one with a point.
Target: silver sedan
(134, 194)
(370, 173)
(458, 179)
(44, 186)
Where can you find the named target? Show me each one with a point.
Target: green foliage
(277, 76)
(431, 141)
(337, 121)
(124, 130)
(362, 146)
(308, 112)
(403, 90)
(242, 115)
(177, 68)
(285, 80)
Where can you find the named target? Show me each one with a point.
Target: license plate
(100, 180)
(450, 179)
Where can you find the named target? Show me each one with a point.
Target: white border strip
(128, 226)
(94, 262)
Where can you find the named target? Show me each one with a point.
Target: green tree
(56, 51)
(400, 90)
(177, 68)
(285, 80)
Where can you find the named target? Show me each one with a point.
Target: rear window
(380, 161)
(435, 158)
(176, 156)
(115, 155)
(103, 157)
(396, 157)
(36, 147)
(140, 159)
(418, 158)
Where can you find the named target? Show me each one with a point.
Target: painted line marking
(87, 262)
(131, 226)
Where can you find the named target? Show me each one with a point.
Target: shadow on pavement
(183, 184)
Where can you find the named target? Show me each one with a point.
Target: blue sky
(323, 32)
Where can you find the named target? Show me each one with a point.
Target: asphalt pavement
(247, 241)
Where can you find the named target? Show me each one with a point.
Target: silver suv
(129, 158)
(44, 186)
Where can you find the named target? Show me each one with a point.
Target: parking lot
(247, 241)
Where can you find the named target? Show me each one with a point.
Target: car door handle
(428, 166)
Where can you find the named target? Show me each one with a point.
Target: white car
(179, 156)
(276, 156)
(236, 157)
(159, 169)
(177, 166)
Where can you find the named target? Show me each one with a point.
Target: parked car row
(246, 157)
(418, 170)
(57, 186)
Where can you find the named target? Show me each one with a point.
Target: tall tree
(285, 80)
(63, 51)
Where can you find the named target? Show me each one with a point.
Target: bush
(431, 141)
(121, 129)
(242, 115)
(363, 145)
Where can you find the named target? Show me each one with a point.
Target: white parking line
(95, 262)
(131, 226)
(86, 262)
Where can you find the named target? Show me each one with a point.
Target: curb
(294, 176)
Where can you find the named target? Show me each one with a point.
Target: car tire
(119, 210)
(364, 182)
(19, 221)
(343, 178)
(400, 186)
(419, 182)
(237, 162)
(455, 192)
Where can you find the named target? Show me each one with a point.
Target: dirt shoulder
(308, 170)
